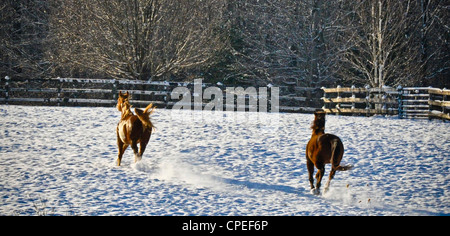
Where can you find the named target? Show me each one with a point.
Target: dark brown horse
(323, 149)
(133, 129)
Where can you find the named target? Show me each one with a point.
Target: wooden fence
(78, 92)
(103, 92)
(409, 102)
(362, 101)
(424, 102)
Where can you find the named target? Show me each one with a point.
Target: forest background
(309, 43)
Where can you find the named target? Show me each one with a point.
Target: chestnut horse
(323, 149)
(133, 129)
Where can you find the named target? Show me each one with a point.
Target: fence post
(324, 98)
(59, 91)
(367, 87)
(429, 102)
(7, 89)
(114, 90)
(353, 97)
(338, 105)
(444, 97)
(400, 102)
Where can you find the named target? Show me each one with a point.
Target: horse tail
(335, 152)
(144, 116)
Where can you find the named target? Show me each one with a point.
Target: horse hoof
(315, 191)
(137, 159)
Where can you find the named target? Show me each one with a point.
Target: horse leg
(319, 175)
(134, 146)
(122, 148)
(332, 172)
(310, 166)
(337, 151)
(143, 145)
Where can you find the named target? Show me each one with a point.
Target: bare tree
(310, 42)
(379, 47)
(136, 39)
(287, 41)
(434, 33)
(23, 38)
(312, 29)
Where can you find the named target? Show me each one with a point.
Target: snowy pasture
(61, 161)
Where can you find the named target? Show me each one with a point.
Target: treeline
(303, 42)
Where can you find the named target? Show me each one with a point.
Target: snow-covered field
(61, 161)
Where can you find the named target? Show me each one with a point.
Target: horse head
(123, 98)
(319, 121)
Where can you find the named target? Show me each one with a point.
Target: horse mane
(126, 109)
(318, 125)
(124, 105)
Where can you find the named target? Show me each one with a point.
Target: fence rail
(408, 102)
(103, 92)
(76, 92)
(362, 101)
(439, 103)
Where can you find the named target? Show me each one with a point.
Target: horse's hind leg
(310, 167)
(144, 141)
(122, 147)
(319, 176)
(332, 172)
(143, 145)
(134, 146)
(337, 151)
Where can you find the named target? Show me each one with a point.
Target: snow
(62, 161)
